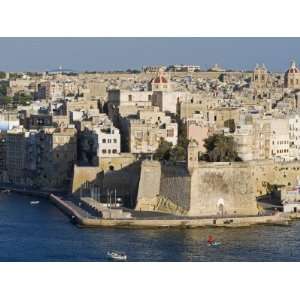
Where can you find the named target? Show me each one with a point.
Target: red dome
(159, 79)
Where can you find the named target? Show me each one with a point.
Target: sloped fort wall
(205, 189)
(209, 189)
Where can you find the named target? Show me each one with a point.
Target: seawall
(70, 210)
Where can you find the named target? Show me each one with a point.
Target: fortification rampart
(209, 189)
(175, 185)
(222, 189)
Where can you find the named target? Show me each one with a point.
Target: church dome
(159, 79)
(293, 69)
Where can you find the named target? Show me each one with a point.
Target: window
(139, 134)
(109, 151)
(104, 151)
(170, 132)
(130, 98)
(104, 141)
(115, 141)
(114, 151)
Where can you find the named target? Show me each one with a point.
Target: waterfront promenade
(84, 220)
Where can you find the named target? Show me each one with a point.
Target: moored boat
(115, 255)
(34, 202)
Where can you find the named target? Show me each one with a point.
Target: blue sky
(80, 54)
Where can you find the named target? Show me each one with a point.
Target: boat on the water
(5, 191)
(213, 244)
(115, 255)
(34, 202)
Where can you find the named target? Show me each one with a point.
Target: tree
(22, 98)
(177, 153)
(133, 71)
(220, 148)
(163, 150)
(4, 100)
(3, 88)
(166, 151)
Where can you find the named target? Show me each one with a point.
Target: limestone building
(100, 142)
(265, 138)
(198, 129)
(145, 134)
(43, 158)
(20, 145)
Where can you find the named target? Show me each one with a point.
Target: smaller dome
(293, 69)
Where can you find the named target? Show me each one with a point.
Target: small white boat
(114, 255)
(34, 202)
(214, 244)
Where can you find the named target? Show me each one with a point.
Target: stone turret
(192, 156)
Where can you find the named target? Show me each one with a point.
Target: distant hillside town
(91, 131)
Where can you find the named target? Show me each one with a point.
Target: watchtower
(192, 156)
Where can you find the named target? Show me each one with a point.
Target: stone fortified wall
(149, 185)
(211, 189)
(207, 189)
(82, 175)
(222, 189)
(175, 185)
(163, 188)
(277, 173)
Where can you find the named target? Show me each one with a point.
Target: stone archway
(220, 207)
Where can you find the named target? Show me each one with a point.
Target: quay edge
(82, 221)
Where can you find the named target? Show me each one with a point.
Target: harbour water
(43, 233)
